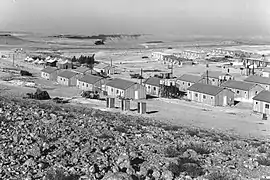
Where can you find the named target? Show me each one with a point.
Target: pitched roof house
(124, 88)
(67, 78)
(152, 85)
(215, 77)
(49, 73)
(243, 91)
(211, 95)
(90, 82)
(263, 81)
(187, 80)
(261, 102)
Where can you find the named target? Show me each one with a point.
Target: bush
(219, 176)
(172, 151)
(190, 166)
(262, 149)
(200, 148)
(264, 160)
(59, 175)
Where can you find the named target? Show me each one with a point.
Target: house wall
(217, 100)
(183, 85)
(99, 70)
(202, 98)
(259, 106)
(128, 93)
(51, 77)
(89, 87)
(63, 81)
(152, 90)
(45, 75)
(265, 86)
(64, 66)
(229, 96)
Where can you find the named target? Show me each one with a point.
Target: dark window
(256, 102)
(266, 106)
(86, 85)
(196, 95)
(154, 88)
(211, 97)
(83, 84)
(204, 96)
(256, 92)
(237, 92)
(188, 84)
(117, 91)
(183, 82)
(213, 80)
(112, 89)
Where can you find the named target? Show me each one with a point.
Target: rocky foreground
(52, 142)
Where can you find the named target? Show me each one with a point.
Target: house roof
(101, 66)
(63, 62)
(49, 70)
(215, 74)
(242, 85)
(67, 74)
(120, 83)
(205, 88)
(190, 78)
(258, 79)
(154, 81)
(91, 79)
(81, 69)
(263, 96)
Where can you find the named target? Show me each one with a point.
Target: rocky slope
(48, 141)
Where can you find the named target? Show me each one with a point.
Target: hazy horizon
(174, 17)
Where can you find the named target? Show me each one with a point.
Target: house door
(256, 106)
(136, 94)
(224, 100)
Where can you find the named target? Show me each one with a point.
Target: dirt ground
(240, 119)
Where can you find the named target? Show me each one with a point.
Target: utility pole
(207, 77)
(253, 69)
(13, 59)
(141, 76)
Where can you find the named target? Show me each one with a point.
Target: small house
(81, 71)
(49, 73)
(262, 81)
(216, 78)
(261, 102)
(152, 85)
(187, 80)
(51, 62)
(243, 90)
(126, 89)
(90, 83)
(104, 68)
(64, 64)
(210, 95)
(67, 78)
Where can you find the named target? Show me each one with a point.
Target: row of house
(84, 80)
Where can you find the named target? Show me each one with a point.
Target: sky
(182, 17)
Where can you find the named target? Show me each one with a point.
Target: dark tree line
(89, 60)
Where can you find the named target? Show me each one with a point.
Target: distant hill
(101, 36)
(8, 39)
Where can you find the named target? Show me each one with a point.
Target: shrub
(262, 149)
(200, 148)
(193, 132)
(188, 165)
(59, 175)
(264, 160)
(220, 176)
(172, 151)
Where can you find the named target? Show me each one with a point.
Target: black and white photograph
(134, 90)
